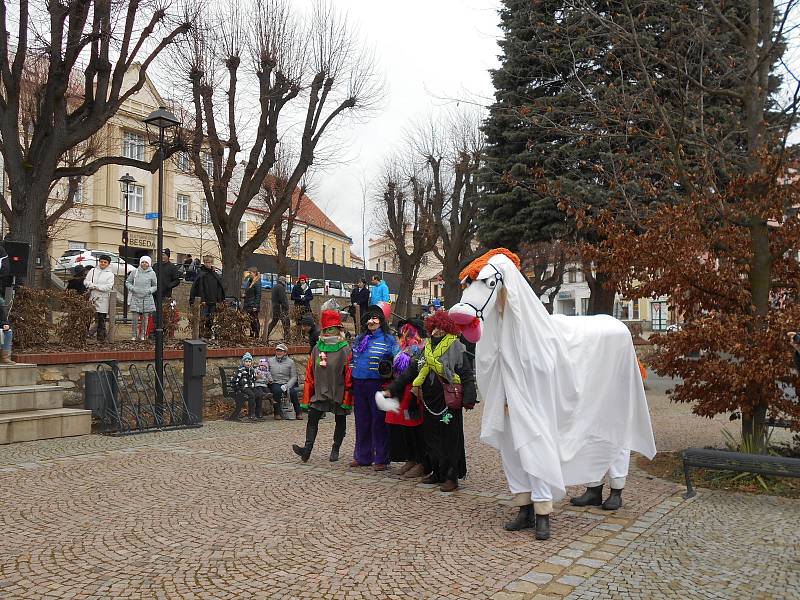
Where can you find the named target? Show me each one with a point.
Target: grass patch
(668, 465)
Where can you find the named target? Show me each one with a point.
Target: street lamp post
(161, 120)
(126, 180)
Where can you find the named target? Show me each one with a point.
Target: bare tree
(62, 74)
(451, 152)
(544, 264)
(311, 67)
(404, 215)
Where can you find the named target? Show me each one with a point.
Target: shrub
(78, 316)
(231, 326)
(29, 317)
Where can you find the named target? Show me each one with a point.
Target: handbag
(453, 394)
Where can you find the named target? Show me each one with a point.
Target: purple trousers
(372, 434)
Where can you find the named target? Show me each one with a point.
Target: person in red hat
(301, 297)
(328, 384)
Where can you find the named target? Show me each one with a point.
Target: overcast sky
(428, 50)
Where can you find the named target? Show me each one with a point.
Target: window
(584, 306)
(377, 265)
(208, 163)
(78, 198)
(311, 249)
(324, 251)
(135, 199)
(635, 310)
(343, 255)
(205, 215)
(73, 245)
(242, 232)
(182, 161)
(133, 145)
(333, 256)
(384, 265)
(182, 207)
(571, 276)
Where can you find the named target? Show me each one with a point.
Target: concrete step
(19, 374)
(44, 424)
(19, 398)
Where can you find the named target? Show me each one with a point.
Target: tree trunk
(601, 301)
(28, 202)
(404, 305)
(232, 265)
(281, 264)
(452, 285)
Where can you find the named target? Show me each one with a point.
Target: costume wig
(441, 320)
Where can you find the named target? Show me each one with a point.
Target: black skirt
(406, 443)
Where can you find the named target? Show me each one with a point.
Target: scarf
(432, 360)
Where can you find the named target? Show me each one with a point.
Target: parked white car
(328, 287)
(84, 258)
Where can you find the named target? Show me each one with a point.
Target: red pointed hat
(330, 318)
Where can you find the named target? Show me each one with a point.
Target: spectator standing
(208, 287)
(359, 297)
(187, 265)
(252, 300)
(100, 283)
(280, 308)
(168, 275)
(301, 297)
(141, 284)
(309, 328)
(284, 380)
(794, 343)
(380, 291)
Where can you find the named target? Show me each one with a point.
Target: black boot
(614, 500)
(523, 520)
(334, 454)
(542, 527)
(304, 452)
(593, 496)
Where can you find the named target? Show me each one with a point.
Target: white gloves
(387, 404)
(284, 388)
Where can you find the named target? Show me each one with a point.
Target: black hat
(166, 251)
(417, 324)
(373, 310)
(307, 319)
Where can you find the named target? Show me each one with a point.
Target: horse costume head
(485, 281)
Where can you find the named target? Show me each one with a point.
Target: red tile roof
(309, 214)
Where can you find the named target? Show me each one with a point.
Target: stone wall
(71, 376)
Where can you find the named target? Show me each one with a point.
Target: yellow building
(98, 220)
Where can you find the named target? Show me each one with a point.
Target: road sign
(150, 215)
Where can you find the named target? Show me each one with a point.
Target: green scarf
(323, 347)
(432, 358)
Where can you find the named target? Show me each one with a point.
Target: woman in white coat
(100, 282)
(141, 284)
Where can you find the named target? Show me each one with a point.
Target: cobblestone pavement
(228, 511)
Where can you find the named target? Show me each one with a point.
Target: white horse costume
(563, 396)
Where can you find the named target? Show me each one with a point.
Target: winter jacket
(169, 277)
(100, 283)
(208, 287)
(244, 378)
(380, 293)
(141, 286)
(280, 303)
(76, 284)
(252, 294)
(300, 297)
(284, 371)
(360, 296)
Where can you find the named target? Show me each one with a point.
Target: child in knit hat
(243, 384)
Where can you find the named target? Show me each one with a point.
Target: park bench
(724, 460)
(226, 373)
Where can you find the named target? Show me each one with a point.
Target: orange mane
(476, 265)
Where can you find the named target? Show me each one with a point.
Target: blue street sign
(150, 215)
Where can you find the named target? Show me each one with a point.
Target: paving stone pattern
(228, 511)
